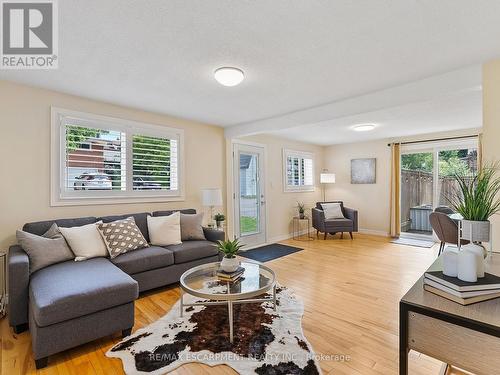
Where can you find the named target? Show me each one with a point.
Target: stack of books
(462, 292)
(230, 276)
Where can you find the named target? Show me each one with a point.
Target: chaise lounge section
(94, 297)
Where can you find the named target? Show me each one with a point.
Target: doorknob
(262, 202)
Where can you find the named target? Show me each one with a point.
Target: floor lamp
(211, 198)
(326, 178)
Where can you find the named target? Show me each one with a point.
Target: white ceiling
(460, 111)
(160, 55)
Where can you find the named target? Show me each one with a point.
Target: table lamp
(211, 198)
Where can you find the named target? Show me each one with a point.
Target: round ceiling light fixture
(229, 76)
(364, 127)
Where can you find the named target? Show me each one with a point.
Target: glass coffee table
(257, 279)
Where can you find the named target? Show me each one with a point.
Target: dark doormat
(269, 252)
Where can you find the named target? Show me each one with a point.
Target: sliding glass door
(428, 180)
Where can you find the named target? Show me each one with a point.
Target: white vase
(467, 266)
(229, 264)
(479, 252)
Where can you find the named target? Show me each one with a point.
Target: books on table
(462, 292)
(462, 301)
(230, 276)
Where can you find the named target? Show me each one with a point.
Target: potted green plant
(229, 248)
(302, 209)
(476, 199)
(219, 218)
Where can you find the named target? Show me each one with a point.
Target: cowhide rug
(265, 341)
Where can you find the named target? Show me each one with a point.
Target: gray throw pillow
(191, 227)
(45, 250)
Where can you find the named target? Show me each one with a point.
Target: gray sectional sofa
(71, 303)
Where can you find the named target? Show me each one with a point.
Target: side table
(296, 228)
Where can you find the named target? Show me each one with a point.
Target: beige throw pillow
(191, 227)
(85, 241)
(165, 230)
(121, 236)
(45, 250)
(332, 211)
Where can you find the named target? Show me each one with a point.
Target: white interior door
(249, 194)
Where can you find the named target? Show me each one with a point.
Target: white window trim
(294, 189)
(60, 198)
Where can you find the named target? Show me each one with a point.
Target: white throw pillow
(165, 230)
(85, 241)
(332, 211)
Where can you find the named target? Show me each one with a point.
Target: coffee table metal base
(229, 304)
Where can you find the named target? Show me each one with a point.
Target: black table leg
(403, 339)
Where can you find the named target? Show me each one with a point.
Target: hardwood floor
(350, 288)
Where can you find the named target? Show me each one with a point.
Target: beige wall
(491, 126)
(25, 157)
(371, 200)
(281, 206)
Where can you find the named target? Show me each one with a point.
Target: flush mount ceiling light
(228, 76)
(364, 127)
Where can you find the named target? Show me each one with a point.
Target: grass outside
(248, 224)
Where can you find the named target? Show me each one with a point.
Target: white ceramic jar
(479, 252)
(467, 266)
(450, 263)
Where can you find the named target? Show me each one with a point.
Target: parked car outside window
(142, 184)
(93, 181)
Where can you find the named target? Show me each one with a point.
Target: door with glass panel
(249, 195)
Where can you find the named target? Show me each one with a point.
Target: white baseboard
(374, 232)
(287, 236)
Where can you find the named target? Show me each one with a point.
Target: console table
(464, 336)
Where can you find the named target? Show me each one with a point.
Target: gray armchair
(332, 226)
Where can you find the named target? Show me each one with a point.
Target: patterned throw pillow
(121, 236)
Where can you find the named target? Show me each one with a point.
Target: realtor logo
(29, 34)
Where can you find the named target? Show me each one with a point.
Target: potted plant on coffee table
(219, 218)
(229, 248)
(476, 199)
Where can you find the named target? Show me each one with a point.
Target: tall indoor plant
(476, 199)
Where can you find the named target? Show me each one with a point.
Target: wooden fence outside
(416, 190)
